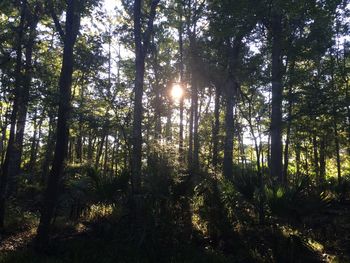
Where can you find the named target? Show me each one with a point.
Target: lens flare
(177, 92)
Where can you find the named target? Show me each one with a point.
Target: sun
(177, 92)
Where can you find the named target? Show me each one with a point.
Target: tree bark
(15, 163)
(181, 106)
(72, 26)
(289, 123)
(230, 93)
(193, 151)
(315, 149)
(216, 127)
(5, 169)
(322, 159)
(229, 129)
(34, 144)
(297, 158)
(48, 151)
(337, 151)
(102, 142)
(277, 90)
(195, 164)
(142, 41)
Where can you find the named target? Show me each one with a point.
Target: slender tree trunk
(322, 159)
(230, 93)
(168, 125)
(101, 144)
(258, 149)
(49, 150)
(33, 144)
(216, 128)
(195, 167)
(37, 146)
(181, 68)
(306, 160)
(71, 150)
(2, 142)
(242, 151)
(193, 152)
(15, 163)
(138, 89)
(337, 151)
(289, 123)
(105, 163)
(190, 135)
(79, 146)
(348, 113)
(229, 129)
(142, 41)
(157, 91)
(297, 158)
(5, 169)
(72, 26)
(277, 89)
(315, 149)
(2, 124)
(90, 150)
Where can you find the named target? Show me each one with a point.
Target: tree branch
(56, 20)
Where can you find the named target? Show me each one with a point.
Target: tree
(8, 164)
(68, 37)
(142, 42)
(230, 24)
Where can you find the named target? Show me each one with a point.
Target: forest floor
(323, 238)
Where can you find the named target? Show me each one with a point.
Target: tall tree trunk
(168, 125)
(229, 130)
(195, 166)
(297, 158)
(277, 89)
(2, 142)
(230, 93)
(79, 146)
(102, 142)
(193, 151)
(258, 149)
(337, 150)
(49, 150)
(2, 124)
(241, 151)
(347, 96)
(306, 160)
(157, 91)
(216, 127)
(322, 159)
(181, 69)
(190, 135)
(15, 163)
(33, 144)
(315, 149)
(289, 122)
(5, 169)
(72, 26)
(142, 41)
(90, 150)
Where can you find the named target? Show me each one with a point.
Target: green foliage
(247, 183)
(296, 202)
(19, 220)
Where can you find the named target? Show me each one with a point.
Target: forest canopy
(174, 131)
